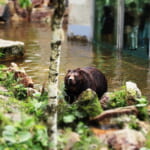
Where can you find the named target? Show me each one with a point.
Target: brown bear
(78, 80)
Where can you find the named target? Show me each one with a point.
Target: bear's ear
(81, 71)
(68, 71)
(78, 69)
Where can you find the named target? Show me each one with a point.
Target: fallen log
(116, 112)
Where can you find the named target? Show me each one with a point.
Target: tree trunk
(56, 41)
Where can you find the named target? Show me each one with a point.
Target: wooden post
(120, 24)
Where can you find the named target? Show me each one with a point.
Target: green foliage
(133, 123)
(2, 75)
(86, 139)
(141, 102)
(117, 99)
(9, 80)
(25, 3)
(24, 134)
(23, 128)
(27, 133)
(147, 144)
(87, 142)
(3, 121)
(20, 92)
(143, 113)
(82, 129)
(33, 106)
(2, 54)
(69, 115)
(63, 138)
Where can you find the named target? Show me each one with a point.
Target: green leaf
(141, 105)
(10, 129)
(37, 94)
(24, 136)
(69, 118)
(9, 134)
(42, 136)
(142, 100)
(37, 104)
(28, 122)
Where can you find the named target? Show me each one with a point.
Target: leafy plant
(3, 121)
(24, 134)
(20, 92)
(25, 3)
(147, 144)
(133, 123)
(117, 99)
(2, 54)
(88, 143)
(69, 115)
(9, 80)
(26, 130)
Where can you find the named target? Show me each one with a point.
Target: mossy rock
(88, 102)
(11, 50)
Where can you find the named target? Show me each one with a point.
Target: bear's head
(74, 77)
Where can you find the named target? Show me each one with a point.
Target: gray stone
(11, 50)
(125, 139)
(133, 92)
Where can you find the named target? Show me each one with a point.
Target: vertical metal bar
(149, 48)
(120, 24)
(93, 19)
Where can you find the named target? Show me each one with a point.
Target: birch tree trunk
(56, 42)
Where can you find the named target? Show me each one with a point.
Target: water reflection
(117, 68)
(123, 68)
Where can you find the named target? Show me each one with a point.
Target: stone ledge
(10, 50)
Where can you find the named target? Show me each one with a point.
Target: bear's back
(98, 78)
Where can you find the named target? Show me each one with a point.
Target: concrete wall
(81, 18)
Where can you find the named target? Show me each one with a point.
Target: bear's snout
(71, 80)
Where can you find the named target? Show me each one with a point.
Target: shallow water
(118, 69)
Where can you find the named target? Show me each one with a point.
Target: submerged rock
(10, 50)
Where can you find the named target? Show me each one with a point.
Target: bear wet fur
(80, 79)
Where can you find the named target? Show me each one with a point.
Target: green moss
(147, 144)
(89, 103)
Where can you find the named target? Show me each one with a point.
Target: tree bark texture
(56, 42)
